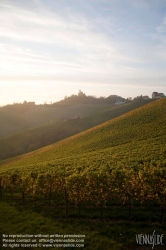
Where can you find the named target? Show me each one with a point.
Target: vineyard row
(144, 185)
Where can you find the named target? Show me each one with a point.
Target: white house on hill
(156, 95)
(119, 103)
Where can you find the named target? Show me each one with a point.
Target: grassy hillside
(139, 134)
(117, 167)
(38, 137)
(18, 117)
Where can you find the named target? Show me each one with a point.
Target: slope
(131, 138)
(38, 137)
(19, 117)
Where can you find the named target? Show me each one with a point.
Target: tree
(81, 94)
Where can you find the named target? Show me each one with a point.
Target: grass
(98, 235)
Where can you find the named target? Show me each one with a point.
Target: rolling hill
(117, 166)
(32, 139)
(138, 136)
(19, 117)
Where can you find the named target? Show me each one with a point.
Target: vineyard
(115, 171)
(104, 187)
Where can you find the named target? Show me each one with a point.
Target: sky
(52, 49)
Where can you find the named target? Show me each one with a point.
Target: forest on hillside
(82, 98)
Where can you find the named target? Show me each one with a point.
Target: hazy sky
(51, 49)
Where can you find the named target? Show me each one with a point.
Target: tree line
(82, 98)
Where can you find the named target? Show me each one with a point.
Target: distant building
(119, 103)
(145, 97)
(76, 118)
(156, 95)
(161, 95)
(31, 103)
